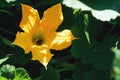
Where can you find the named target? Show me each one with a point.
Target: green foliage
(9, 72)
(116, 63)
(3, 60)
(50, 74)
(94, 55)
(97, 75)
(21, 74)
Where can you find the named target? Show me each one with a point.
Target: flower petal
(62, 40)
(52, 18)
(30, 18)
(42, 54)
(23, 40)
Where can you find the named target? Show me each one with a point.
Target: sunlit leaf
(103, 15)
(86, 25)
(10, 0)
(21, 74)
(116, 63)
(3, 60)
(76, 4)
(7, 71)
(3, 78)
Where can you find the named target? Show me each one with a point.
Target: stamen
(38, 41)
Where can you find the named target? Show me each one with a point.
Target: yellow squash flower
(40, 35)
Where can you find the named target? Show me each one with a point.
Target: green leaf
(21, 74)
(3, 4)
(87, 47)
(103, 4)
(81, 50)
(19, 57)
(81, 47)
(102, 57)
(49, 74)
(97, 75)
(7, 71)
(3, 78)
(116, 63)
(94, 28)
(3, 60)
(81, 70)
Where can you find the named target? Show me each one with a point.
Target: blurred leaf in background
(116, 63)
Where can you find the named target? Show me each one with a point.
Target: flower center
(38, 40)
